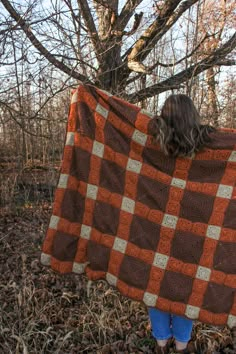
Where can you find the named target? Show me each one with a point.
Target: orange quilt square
(146, 256)
(104, 195)
(227, 235)
(230, 280)
(195, 299)
(141, 210)
(123, 231)
(175, 265)
(153, 286)
(218, 277)
(116, 259)
(184, 225)
(163, 304)
(48, 242)
(164, 246)
(205, 316)
(138, 149)
(173, 207)
(189, 269)
(100, 134)
(122, 287)
(73, 183)
(155, 216)
(96, 235)
(177, 308)
(142, 122)
(135, 294)
(61, 267)
(81, 254)
(220, 319)
(95, 275)
(210, 188)
(82, 188)
(73, 228)
(199, 228)
(120, 159)
(132, 250)
(109, 154)
(59, 195)
(107, 240)
(115, 200)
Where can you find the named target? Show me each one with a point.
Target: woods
(140, 50)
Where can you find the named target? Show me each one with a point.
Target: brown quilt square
(187, 247)
(218, 298)
(64, 246)
(80, 164)
(206, 171)
(176, 287)
(117, 140)
(144, 233)
(196, 207)
(98, 256)
(128, 112)
(112, 177)
(72, 207)
(230, 215)
(85, 124)
(106, 218)
(158, 160)
(225, 257)
(134, 272)
(146, 195)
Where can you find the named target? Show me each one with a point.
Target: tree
(213, 19)
(136, 49)
(109, 43)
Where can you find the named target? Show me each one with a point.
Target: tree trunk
(212, 96)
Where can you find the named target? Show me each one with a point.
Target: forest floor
(42, 312)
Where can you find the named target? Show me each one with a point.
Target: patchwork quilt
(161, 230)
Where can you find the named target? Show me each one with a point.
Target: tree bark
(212, 97)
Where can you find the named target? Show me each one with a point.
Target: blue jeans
(166, 325)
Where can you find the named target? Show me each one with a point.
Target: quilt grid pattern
(161, 230)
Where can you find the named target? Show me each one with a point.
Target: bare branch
(186, 56)
(226, 62)
(166, 19)
(142, 69)
(137, 21)
(88, 18)
(38, 45)
(217, 57)
(126, 13)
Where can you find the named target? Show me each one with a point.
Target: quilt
(161, 230)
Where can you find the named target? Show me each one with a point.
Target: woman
(180, 134)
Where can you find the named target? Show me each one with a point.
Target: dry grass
(43, 312)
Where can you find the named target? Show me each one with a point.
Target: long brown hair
(179, 130)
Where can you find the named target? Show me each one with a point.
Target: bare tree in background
(136, 49)
(214, 17)
(104, 43)
(133, 48)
